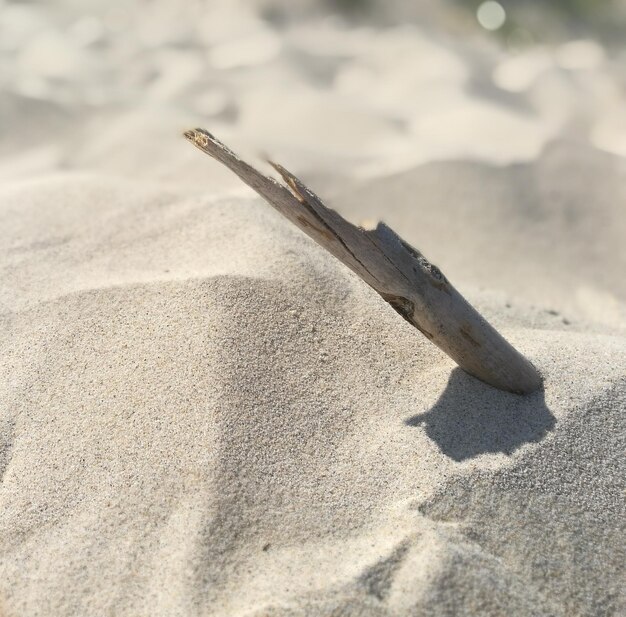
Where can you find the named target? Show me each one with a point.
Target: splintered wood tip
(198, 137)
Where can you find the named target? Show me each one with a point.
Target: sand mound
(192, 427)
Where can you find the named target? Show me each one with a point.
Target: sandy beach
(202, 412)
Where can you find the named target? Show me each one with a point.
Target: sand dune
(185, 432)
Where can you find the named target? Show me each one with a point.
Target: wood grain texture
(415, 288)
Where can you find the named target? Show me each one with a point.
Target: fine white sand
(203, 413)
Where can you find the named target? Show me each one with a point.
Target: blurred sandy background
(362, 87)
(343, 92)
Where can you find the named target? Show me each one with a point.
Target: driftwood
(413, 286)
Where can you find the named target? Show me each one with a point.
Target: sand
(203, 413)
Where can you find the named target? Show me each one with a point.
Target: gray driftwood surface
(399, 273)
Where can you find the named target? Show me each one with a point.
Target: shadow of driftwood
(471, 418)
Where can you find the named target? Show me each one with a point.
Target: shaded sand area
(203, 413)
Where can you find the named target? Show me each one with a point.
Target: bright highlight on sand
(491, 15)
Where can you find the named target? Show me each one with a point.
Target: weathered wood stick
(413, 286)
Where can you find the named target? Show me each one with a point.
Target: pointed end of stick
(198, 137)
